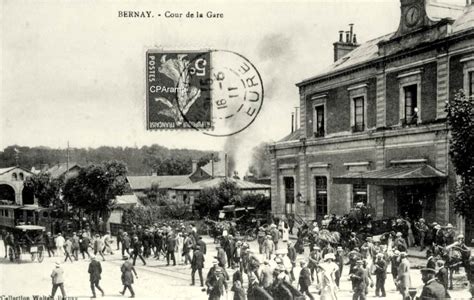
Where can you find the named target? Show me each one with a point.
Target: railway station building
(373, 124)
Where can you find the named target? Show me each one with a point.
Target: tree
(46, 189)
(211, 200)
(260, 164)
(94, 189)
(460, 117)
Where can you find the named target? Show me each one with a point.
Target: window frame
(318, 101)
(413, 78)
(354, 190)
(325, 206)
(356, 92)
(468, 67)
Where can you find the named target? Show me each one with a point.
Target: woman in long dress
(179, 247)
(411, 237)
(327, 277)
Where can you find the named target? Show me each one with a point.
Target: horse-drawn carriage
(240, 222)
(26, 239)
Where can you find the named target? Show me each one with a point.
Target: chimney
(343, 47)
(194, 165)
(292, 122)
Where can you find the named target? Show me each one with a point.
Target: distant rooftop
(163, 182)
(214, 182)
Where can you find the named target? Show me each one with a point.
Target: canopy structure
(394, 176)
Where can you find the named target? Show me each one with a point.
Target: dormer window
(14, 177)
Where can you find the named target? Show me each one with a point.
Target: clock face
(412, 15)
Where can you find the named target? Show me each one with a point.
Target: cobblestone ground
(155, 280)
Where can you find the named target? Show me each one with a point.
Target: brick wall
(392, 99)
(455, 75)
(429, 92)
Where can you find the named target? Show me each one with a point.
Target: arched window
(22, 177)
(14, 177)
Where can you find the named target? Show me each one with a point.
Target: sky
(73, 71)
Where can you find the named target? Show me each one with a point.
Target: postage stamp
(174, 99)
(219, 93)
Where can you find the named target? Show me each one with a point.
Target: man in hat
(261, 235)
(137, 250)
(125, 243)
(422, 230)
(57, 277)
(266, 276)
(49, 240)
(340, 263)
(197, 264)
(268, 247)
(275, 235)
(442, 274)
(432, 288)
(292, 256)
(399, 243)
(314, 258)
(95, 270)
(221, 256)
(403, 278)
(84, 245)
(75, 246)
(170, 247)
(216, 285)
(394, 263)
(359, 281)
(202, 245)
(431, 260)
(380, 275)
(304, 280)
(255, 291)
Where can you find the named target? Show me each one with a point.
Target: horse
(455, 256)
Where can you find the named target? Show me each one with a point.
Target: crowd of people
(268, 272)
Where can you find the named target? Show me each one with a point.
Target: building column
(442, 85)
(379, 164)
(442, 195)
(303, 209)
(380, 102)
(275, 196)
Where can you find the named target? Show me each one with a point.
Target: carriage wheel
(40, 256)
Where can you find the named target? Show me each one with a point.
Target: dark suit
(216, 287)
(359, 284)
(170, 245)
(202, 245)
(305, 281)
(197, 263)
(433, 290)
(255, 292)
(380, 275)
(95, 269)
(442, 277)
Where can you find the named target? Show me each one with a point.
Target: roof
(163, 182)
(60, 169)
(30, 227)
(366, 52)
(219, 168)
(465, 21)
(5, 170)
(394, 175)
(214, 182)
(294, 136)
(126, 200)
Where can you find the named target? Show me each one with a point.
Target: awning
(394, 175)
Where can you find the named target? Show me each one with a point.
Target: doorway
(416, 201)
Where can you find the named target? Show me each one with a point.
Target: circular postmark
(231, 89)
